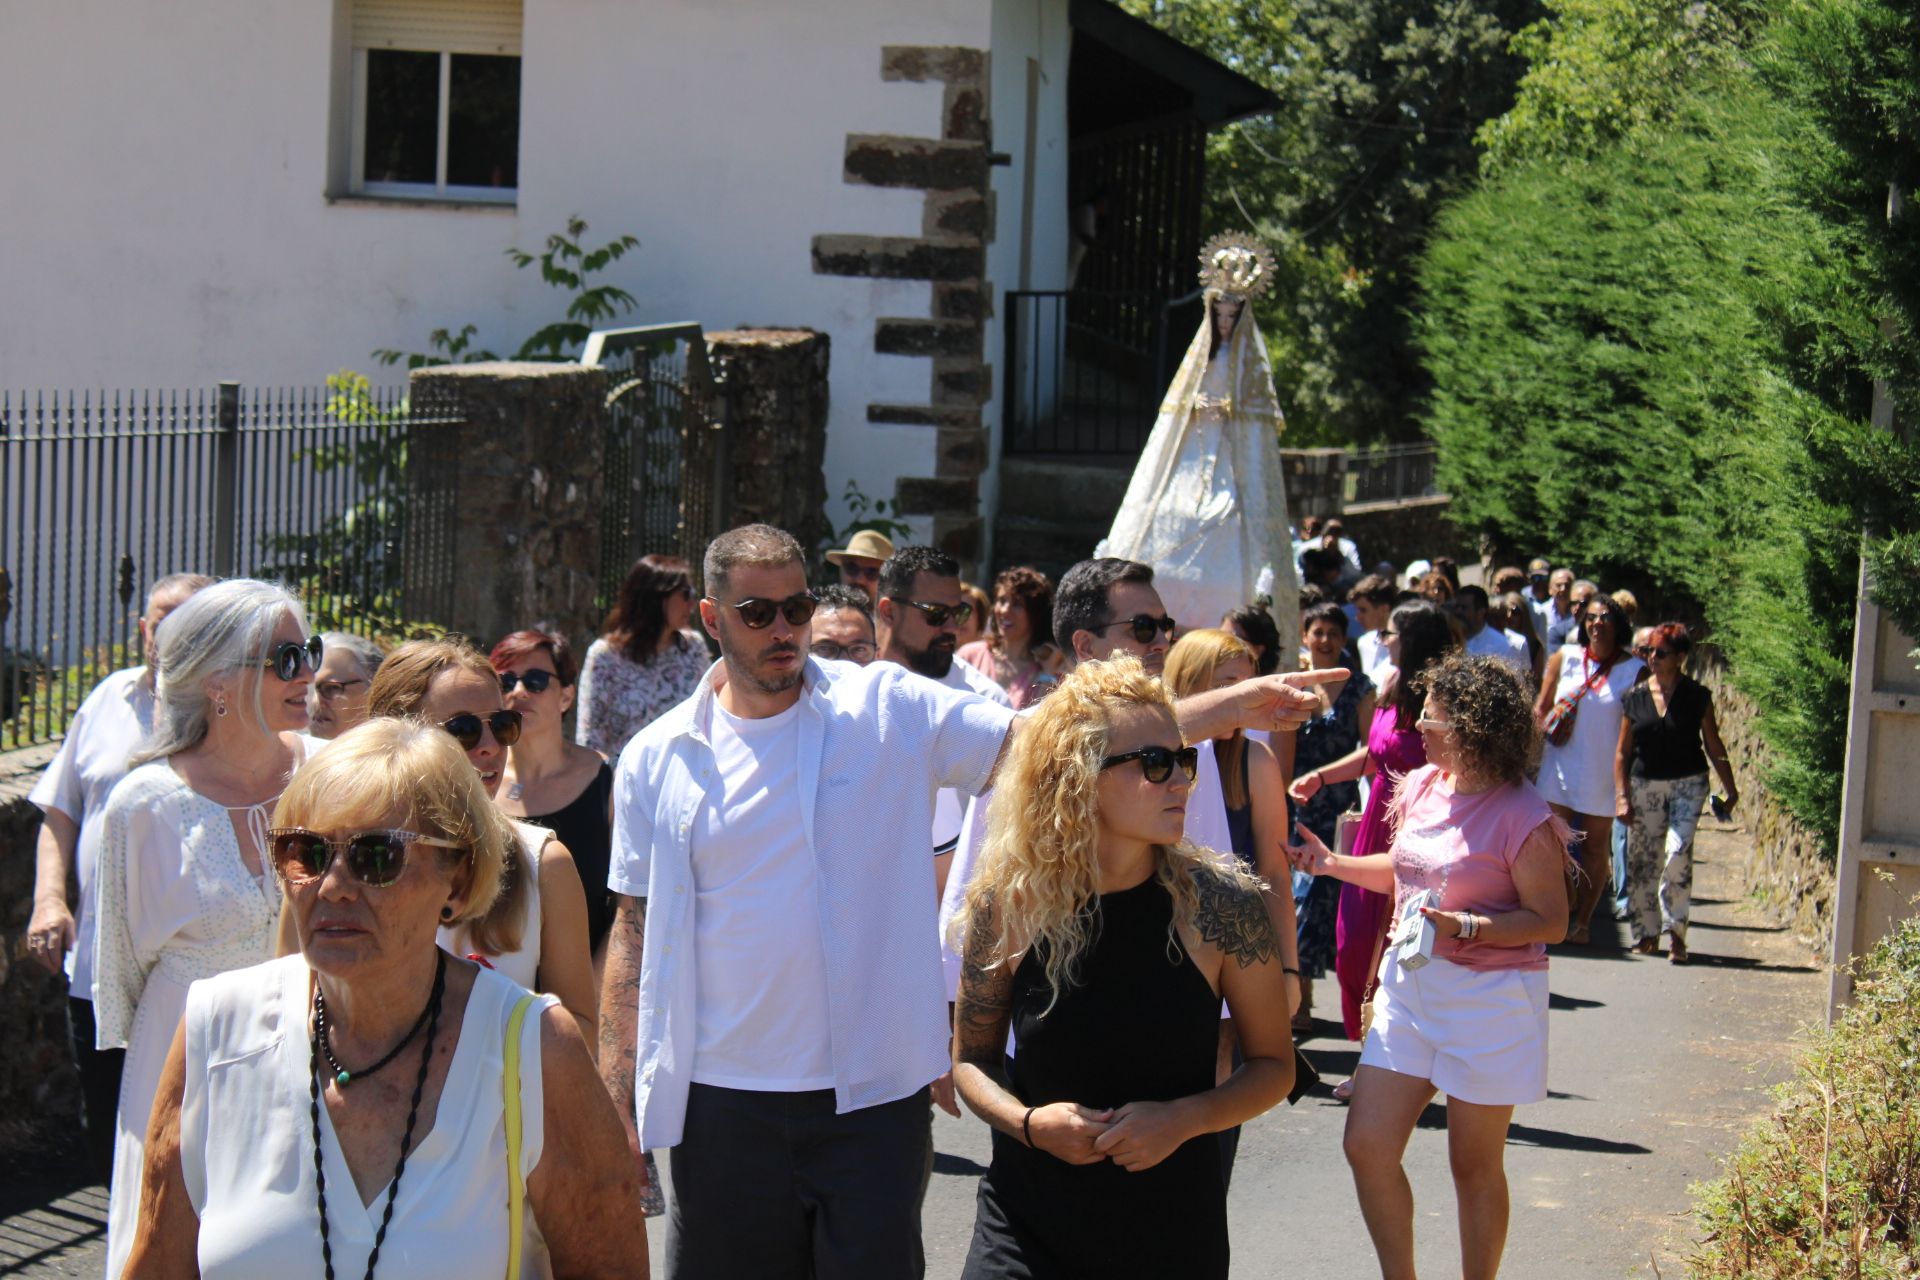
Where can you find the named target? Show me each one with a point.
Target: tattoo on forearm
(986, 993)
(1234, 919)
(620, 1000)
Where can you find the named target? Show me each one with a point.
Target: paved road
(1656, 1070)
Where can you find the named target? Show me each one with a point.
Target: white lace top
(619, 697)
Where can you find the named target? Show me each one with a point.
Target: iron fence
(1391, 473)
(667, 461)
(1087, 369)
(344, 493)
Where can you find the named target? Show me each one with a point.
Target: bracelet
(1026, 1125)
(1469, 926)
(1294, 972)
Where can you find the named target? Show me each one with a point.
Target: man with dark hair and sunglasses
(1107, 606)
(772, 999)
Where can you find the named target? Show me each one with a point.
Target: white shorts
(1478, 1035)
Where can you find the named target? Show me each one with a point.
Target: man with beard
(772, 1004)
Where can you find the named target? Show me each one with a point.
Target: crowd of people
(319, 881)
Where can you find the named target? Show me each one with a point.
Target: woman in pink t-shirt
(1479, 857)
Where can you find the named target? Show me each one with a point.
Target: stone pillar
(39, 1089)
(505, 501)
(774, 389)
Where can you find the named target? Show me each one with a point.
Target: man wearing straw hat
(860, 560)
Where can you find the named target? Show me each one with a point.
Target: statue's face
(1226, 313)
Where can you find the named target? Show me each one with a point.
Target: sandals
(1646, 946)
(1678, 953)
(1343, 1092)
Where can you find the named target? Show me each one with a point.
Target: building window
(436, 99)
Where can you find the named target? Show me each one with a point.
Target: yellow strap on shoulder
(516, 1186)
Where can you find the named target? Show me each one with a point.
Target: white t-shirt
(756, 895)
(109, 725)
(1373, 655)
(1491, 642)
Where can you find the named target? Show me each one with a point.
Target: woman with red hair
(1660, 784)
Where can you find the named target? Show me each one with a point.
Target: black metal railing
(1086, 370)
(667, 461)
(1391, 473)
(344, 493)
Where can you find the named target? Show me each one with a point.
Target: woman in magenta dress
(1417, 636)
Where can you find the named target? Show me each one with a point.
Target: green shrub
(1829, 1186)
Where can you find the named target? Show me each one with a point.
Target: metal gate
(668, 474)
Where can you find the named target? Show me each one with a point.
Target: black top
(1668, 747)
(1240, 821)
(1142, 1025)
(584, 828)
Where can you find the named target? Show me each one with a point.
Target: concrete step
(1078, 491)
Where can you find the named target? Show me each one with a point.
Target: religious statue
(1207, 505)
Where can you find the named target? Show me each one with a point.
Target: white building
(268, 190)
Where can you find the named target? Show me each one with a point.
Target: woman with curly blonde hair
(1104, 942)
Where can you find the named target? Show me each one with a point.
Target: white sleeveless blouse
(246, 1145)
(523, 963)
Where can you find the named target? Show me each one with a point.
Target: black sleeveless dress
(1141, 1026)
(583, 827)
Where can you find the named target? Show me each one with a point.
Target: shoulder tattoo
(1234, 919)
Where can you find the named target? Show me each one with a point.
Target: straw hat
(864, 545)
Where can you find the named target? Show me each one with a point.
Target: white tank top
(246, 1144)
(523, 963)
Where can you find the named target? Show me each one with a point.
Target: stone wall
(39, 1089)
(775, 389)
(1405, 531)
(519, 482)
(1789, 868)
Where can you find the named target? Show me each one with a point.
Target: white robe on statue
(1207, 505)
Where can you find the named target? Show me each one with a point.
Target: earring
(446, 915)
(220, 706)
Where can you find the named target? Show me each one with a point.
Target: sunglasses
(860, 652)
(466, 728)
(757, 614)
(1156, 763)
(1144, 625)
(285, 660)
(1438, 726)
(536, 680)
(1659, 653)
(375, 858)
(938, 615)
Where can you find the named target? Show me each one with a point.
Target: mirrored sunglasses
(286, 659)
(466, 728)
(376, 857)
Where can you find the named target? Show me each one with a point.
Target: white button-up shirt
(115, 718)
(876, 743)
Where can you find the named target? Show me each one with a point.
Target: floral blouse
(619, 697)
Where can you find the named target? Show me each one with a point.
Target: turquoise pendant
(343, 1078)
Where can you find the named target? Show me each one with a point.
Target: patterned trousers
(1660, 854)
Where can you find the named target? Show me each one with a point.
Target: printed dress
(619, 697)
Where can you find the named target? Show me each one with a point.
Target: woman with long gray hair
(183, 882)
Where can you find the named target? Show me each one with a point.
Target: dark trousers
(99, 1086)
(773, 1185)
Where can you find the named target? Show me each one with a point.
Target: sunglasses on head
(757, 614)
(1144, 625)
(938, 615)
(536, 680)
(375, 857)
(466, 728)
(286, 658)
(1157, 762)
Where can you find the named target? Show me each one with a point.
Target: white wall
(166, 222)
(1024, 30)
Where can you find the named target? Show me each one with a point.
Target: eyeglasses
(334, 690)
(375, 858)
(938, 615)
(286, 658)
(466, 727)
(1144, 626)
(536, 680)
(757, 614)
(1659, 653)
(1156, 763)
(860, 651)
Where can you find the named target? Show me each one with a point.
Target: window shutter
(450, 26)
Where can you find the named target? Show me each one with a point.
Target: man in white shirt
(1483, 641)
(72, 795)
(1372, 599)
(772, 1006)
(1556, 612)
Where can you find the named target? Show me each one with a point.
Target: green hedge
(1829, 1186)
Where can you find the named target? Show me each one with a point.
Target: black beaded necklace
(431, 1017)
(344, 1077)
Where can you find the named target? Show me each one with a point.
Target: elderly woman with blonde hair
(1104, 941)
(371, 1097)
